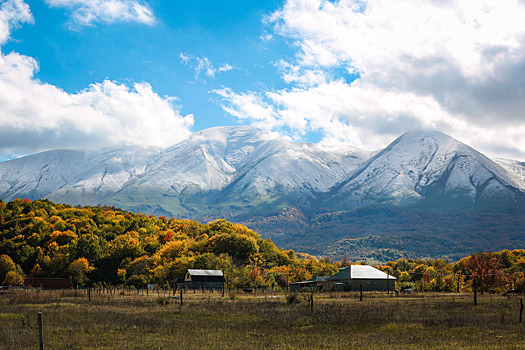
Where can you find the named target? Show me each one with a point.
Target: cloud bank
(86, 12)
(37, 116)
(366, 71)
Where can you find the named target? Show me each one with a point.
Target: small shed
(174, 283)
(317, 283)
(203, 279)
(352, 278)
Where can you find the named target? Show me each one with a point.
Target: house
(355, 277)
(315, 284)
(203, 279)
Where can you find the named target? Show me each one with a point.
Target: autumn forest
(95, 245)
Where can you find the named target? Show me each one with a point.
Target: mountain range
(325, 200)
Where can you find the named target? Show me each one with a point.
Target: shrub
(405, 285)
(163, 301)
(294, 298)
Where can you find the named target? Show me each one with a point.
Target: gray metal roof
(195, 272)
(365, 272)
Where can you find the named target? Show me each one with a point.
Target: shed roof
(319, 279)
(195, 272)
(312, 280)
(360, 272)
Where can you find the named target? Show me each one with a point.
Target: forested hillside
(107, 245)
(94, 244)
(378, 234)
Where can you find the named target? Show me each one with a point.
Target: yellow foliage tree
(79, 269)
(6, 264)
(170, 251)
(13, 278)
(62, 237)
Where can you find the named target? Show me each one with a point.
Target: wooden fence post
(181, 297)
(40, 331)
(475, 297)
(360, 292)
(521, 310)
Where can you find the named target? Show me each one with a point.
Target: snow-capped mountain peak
(245, 169)
(423, 164)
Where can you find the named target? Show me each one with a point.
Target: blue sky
(105, 73)
(73, 56)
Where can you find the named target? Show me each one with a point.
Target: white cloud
(457, 66)
(85, 12)
(36, 116)
(12, 14)
(300, 75)
(203, 66)
(225, 67)
(248, 107)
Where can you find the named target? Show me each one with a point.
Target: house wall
(373, 285)
(369, 285)
(296, 287)
(201, 285)
(187, 277)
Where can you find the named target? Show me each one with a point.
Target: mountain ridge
(243, 165)
(243, 173)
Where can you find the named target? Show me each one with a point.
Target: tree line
(96, 244)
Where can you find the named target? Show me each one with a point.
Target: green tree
(79, 270)
(239, 247)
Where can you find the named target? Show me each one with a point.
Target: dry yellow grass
(208, 321)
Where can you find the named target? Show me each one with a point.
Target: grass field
(209, 321)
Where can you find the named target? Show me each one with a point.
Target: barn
(203, 279)
(355, 277)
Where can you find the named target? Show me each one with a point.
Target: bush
(401, 286)
(294, 298)
(163, 301)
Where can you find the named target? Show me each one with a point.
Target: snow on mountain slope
(241, 168)
(213, 158)
(515, 168)
(423, 165)
(104, 174)
(37, 175)
(205, 161)
(279, 165)
(225, 166)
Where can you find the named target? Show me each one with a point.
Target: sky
(81, 74)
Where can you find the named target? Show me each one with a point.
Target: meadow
(124, 320)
